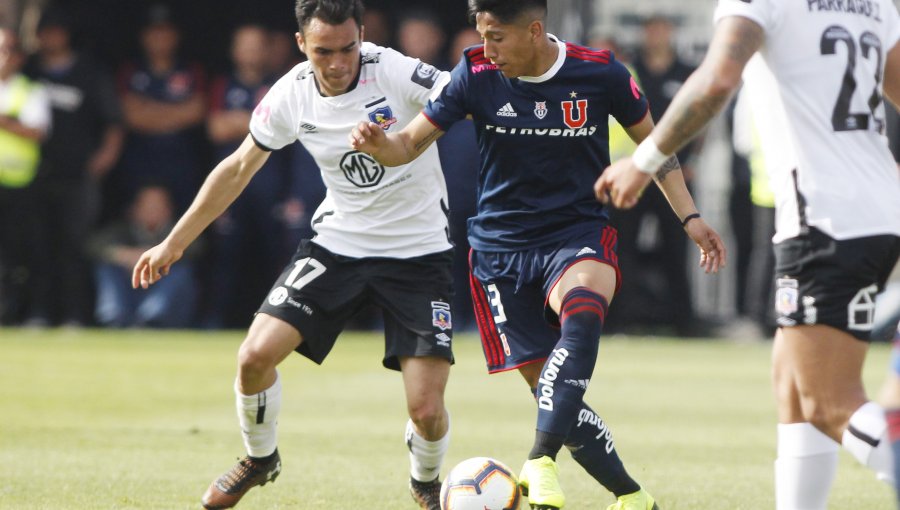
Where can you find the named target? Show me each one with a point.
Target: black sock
(546, 444)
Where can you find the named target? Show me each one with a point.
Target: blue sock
(568, 370)
(591, 444)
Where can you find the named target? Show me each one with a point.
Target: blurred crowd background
(141, 99)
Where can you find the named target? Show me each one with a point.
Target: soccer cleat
(249, 472)
(540, 482)
(426, 494)
(640, 500)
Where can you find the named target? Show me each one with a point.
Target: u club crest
(570, 118)
(540, 109)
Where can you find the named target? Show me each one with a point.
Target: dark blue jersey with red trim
(543, 141)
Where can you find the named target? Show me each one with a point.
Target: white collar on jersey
(560, 60)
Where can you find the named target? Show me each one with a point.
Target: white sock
(866, 438)
(805, 468)
(258, 415)
(425, 457)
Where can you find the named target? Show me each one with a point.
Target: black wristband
(688, 218)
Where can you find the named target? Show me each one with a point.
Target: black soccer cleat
(249, 472)
(426, 494)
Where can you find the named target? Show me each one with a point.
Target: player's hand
(712, 249)
(621, 184)
(153, 265)
(367, 137)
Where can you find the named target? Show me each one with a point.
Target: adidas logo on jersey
(507, 111)
(585, 251)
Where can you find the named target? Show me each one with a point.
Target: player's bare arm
(701, 98)
(221, 188)
(670, 180)
(396, 148)
(708, 90)
(892, 76)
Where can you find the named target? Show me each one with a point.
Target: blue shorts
(510, 291)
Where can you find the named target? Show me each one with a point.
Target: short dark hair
(333, 12)
(506, 10)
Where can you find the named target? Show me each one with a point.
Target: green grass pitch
(145, 420)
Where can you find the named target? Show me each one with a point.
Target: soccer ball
(480, 483)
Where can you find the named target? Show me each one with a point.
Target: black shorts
(819, 280)
(319, 291)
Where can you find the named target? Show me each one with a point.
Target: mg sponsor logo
(361, 169)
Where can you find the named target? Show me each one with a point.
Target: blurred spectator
(462, 40)
(25, 119)
(82, 147)
(419, 35)
(116, 249)
(377, 27)
(164, 104)
(652, 244)
(282, 52)
(248, 239)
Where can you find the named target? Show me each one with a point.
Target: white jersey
(828, 59)
(369, 210)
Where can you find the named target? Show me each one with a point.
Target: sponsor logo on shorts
(786, 296)
(861, 309)
(586, 251)
(278, 296)
(443, 339)
(440, 315)
(505, 343)
(810, 312)
(296, 304)
(546, 382)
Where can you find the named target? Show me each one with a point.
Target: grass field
(116, 420)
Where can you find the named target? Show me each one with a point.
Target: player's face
(333, 53)
(511, 46)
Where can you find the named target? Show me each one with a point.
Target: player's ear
(362, 33)
(536, 29)
(300, 42)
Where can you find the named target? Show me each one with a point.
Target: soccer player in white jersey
(837, 212)
(381, 238)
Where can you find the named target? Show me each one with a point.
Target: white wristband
(647, 157)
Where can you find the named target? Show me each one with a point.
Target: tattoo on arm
(425, 142)
(698, 102)
(748, 37)
(670, 165)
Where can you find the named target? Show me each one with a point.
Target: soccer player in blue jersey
(543, 256)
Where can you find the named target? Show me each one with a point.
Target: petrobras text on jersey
(503, 130)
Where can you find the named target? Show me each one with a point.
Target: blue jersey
(543, 141)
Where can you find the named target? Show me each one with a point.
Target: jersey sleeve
(627, 103)
(763, 12)
(450, 105)
(410, 78)
(272, 124)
